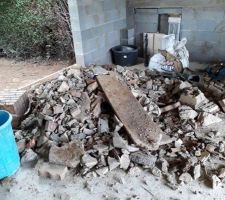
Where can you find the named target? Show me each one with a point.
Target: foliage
(35, 28)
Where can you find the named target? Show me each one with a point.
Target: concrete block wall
(203, 24)
(96, 26)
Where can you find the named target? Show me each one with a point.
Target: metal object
(146, 51)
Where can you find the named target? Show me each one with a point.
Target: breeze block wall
(96, 26)
(203, 24)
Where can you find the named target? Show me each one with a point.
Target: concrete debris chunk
(119, 142)
(92, 87)
(210, 148)
(204, 156)
(185, 178)
(29, 157)
(207, 119)
(64, 87)
(156, 172)
(55, 172)
(124, 161)
(50, 126)
(100, 71)
(222, 104)
(113, 163)
(216, 182)
(103, 125)
(58, 109)
(186, 112)
(193, 97)
(21, 145)
(102, 171)
(68, 155)
(89, 161)
(197, 172)
(209, 108)
(170, 107)
(143, 159)
(101, 148)
(222, 173)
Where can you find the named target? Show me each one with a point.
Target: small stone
(216, 182)
(29, 157)
(102, 171)
(119, 142)
(63, 87)
(156, 172)
(101, 148)
(178, 143)
(58, 109)
(210, 148)
(98, 70)
(135, 171)
(124, 161)
(55, 172)
(120, 69)
(75, 113)
(92, 87)
(64, 138)
(221, 147)
(68, 155)
(113, 163)
(21, 145)
(204, 156)
(222, 173)
(50, 126)
(186, 178)
(143, 159)
(89, 161)
(197, 172)
(97, 110)
(103, 125)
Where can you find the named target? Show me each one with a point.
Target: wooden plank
(142, 130)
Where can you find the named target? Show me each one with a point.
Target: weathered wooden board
(142, 130)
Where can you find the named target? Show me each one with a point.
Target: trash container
(124, 55)
(9, 156)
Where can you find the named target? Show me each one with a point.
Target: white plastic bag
(177, 48)
(158, 63)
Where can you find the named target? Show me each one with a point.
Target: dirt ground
(17, 74)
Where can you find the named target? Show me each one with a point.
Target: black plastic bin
(124, 55)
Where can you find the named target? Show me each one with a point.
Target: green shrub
(31, 28)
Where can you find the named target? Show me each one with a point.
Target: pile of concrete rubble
(73, 127)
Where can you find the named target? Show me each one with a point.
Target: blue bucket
(9, 156)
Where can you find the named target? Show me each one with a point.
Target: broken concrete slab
(143, 131)
(143, 159)
(67, 155)
(207, 119)
(186, 112)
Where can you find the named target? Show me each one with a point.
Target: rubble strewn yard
(72, 127)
